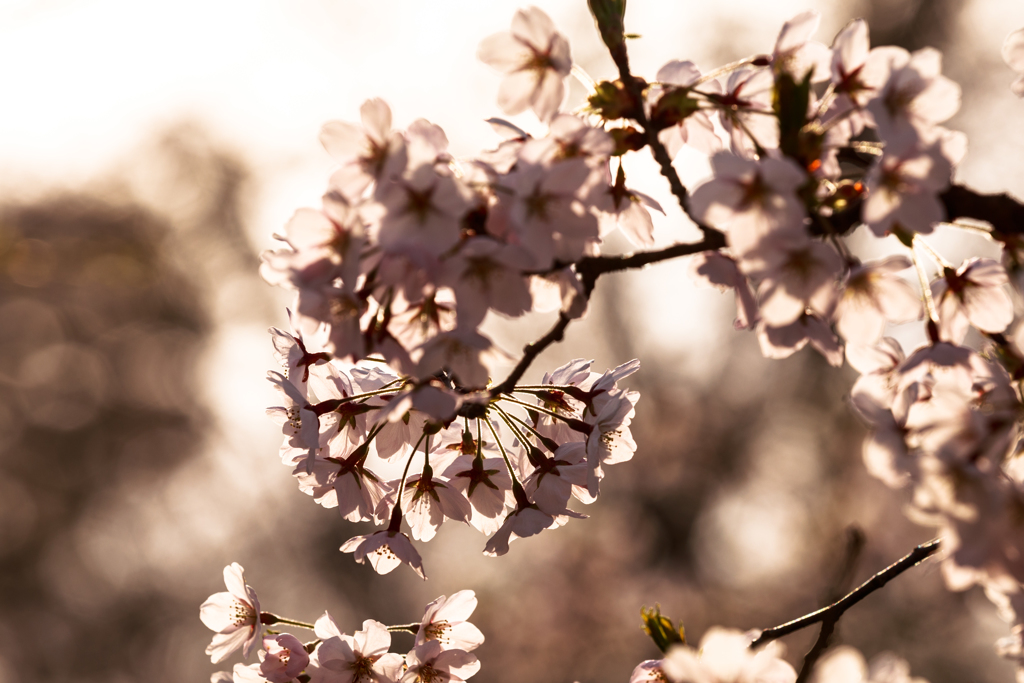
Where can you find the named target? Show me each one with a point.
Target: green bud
(672, 108)
(612, 101)
(660, 628)
(790, 100)
(608, 16)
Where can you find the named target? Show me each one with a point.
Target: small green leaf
(660, 628)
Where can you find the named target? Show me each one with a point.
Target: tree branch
(591, 267)
(833, 612)
(635, 87)
(1003, 212)
(530, 353)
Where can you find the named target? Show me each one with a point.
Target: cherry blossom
(724, 656)
(972, 295)
(363, 656)
(915, 98)
(718, 270)
(535, 58)
(903, 189)
(285, 658)
(385, 550)
(796, 53)
(785, 340)
(428, 501)
(1013, 55)
(430, 663)
(445, 621)
(696, 130)
(233, 615)
(752, 201)
(872, 295)
(369, 152)
(845, 664)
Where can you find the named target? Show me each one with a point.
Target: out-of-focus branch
(828, 616)
(1003, 212)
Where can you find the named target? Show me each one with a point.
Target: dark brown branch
(530, 353)
(592, 267)
(854, 545)
(589, 269)
(1003, 212)
(833, 612)
(636, 90)
(828, 627)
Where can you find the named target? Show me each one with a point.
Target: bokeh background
(149, 152)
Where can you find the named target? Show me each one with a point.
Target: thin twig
(836, 609)
(530, 353)
(591, 267)
(824, 635)
(636, 90)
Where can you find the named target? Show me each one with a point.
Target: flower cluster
(389, 412)
(509, 470)
(866, 146)
(441, 651)
(726, 656)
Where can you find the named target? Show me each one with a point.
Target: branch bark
(831, 614)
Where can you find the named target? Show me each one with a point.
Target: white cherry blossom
(385, 550)
(536, 60)
(1013, 55)
(233, 615)
(445, 621)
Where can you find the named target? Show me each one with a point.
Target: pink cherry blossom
(427, 501)
(385, 550)
(486, 483)
(796, 53)
(796, 279)
(430, 663)
(234, 615)
(488, 275)
(367, 152)
(718, 270)
(1013, 55)
(872, 295)
(903, 189)
(845, 664)
(362, 657)
(724, 656)
(648, 671)
(697, 129)
(536, 60)
(785, 340)
(743, 109)
(445, 621)
(972, 295)
(285, 659)
(753, 201)
(915, 98)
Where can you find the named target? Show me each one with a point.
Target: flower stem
(269, 618)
